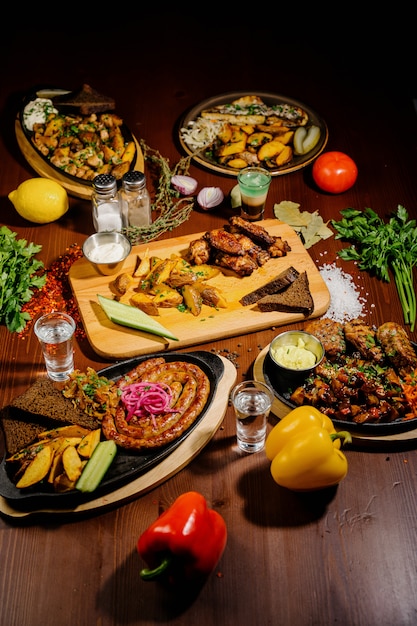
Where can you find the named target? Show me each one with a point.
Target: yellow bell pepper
(304, 450)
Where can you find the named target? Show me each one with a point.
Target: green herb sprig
(18, 277)
(170, 210)
(380, 247)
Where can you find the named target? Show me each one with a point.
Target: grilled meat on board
(241, 247)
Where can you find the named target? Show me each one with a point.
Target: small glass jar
(107, 209)
(135, 199)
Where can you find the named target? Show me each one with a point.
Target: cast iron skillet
(46, 91)
(127, 465)
(374, 429)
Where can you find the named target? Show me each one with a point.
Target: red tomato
(334, 172)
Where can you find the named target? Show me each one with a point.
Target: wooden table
(346, 557)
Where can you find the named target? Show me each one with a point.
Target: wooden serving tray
(42, 167)
(114, 341)
(171, 465)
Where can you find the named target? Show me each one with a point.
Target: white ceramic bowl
(294, 354)
(107, 251)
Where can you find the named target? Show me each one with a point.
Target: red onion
(210, 197)
(186, 185)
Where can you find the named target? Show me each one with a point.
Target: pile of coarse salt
(346, 303)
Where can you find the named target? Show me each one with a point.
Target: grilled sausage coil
(190, 387)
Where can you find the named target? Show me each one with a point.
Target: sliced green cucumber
(130, 316)
(97, 466)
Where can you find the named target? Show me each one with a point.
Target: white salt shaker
(107, 209)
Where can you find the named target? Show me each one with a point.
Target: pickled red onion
(146, 399)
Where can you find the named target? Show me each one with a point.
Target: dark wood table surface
(348, 557)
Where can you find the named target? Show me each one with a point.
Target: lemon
(40, 200)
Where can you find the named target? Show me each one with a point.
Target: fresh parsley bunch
(380, 247)
(18, 277)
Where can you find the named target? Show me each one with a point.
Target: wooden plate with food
(134, 470)
(365, 384)
(72, 136)
(231, 131)
(225, 319)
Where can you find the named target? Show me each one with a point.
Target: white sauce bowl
(107, 251)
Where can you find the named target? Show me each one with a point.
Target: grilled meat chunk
(279, 248)
(225, 242)
(199, 251)
(242, 265)
(397, 347)
(363, 338)
(330, 334)
(257, 253)
(257, 233)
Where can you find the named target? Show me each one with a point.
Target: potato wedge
(88, 443)
(285, 138)
(145, 303)
(166, 297)
(62, 483)
(64, 442)
(72, 463)
(225, 133)
(159, 273)
(256, 140)
(192, 299)
(284, 156)
(54, 126)
(181, 274)
(56, 468)
(129, 152)
(117, 141)
(270, 150)
(37, 469)
(231, 148)
(210, 295)
(144, 266)
(205, 271)
(237, 163)
(72, 430)
(122, 283)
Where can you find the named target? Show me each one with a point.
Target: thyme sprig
(171, 210)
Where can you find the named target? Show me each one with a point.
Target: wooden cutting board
(42, 167)
(118, 342)
(171, 465)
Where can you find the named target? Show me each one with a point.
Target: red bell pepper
(185, 542)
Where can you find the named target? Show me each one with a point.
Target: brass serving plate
(297, 163)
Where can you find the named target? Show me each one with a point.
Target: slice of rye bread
(296, 298)
(41, 407)
(277, 284)
(85, 100)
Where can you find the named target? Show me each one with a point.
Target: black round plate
(374, 429)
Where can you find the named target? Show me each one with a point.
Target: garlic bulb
(210, 197)
(186, 185)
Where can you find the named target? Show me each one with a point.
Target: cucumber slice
(127, 315)
(97, 466)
